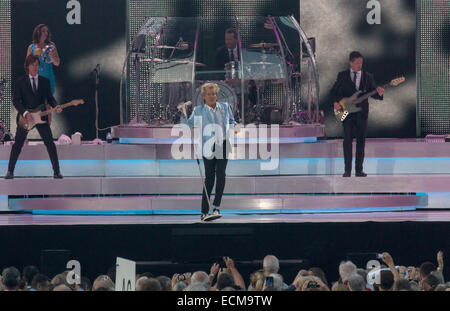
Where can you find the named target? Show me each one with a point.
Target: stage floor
(380, 217)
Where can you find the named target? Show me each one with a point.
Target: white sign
(374, 16)
(74, 15)
(125, 275)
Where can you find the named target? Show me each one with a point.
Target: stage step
(333, 166)
(256, 185)
(293, 157)
(240, 204)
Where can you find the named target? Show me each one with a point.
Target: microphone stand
(97, 82)
(180, 40)
(137, 120)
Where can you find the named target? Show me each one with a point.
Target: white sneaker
(215, 215)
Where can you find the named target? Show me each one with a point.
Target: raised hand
(440, 260)
(214, 268)
(387, 258)
(174, 279)
(229, 263)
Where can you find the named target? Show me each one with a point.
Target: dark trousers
(354, 123)
(46, 134)
(215, 172)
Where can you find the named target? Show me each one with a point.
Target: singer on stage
(215, 145)
(45, 49)
(30, 92)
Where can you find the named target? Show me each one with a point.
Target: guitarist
(30, 92)
(347, 83)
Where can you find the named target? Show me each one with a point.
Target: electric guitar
(351, 104)
(37, 115)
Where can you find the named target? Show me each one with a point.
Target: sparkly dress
(46, 67)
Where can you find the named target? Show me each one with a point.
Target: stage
(302, 175)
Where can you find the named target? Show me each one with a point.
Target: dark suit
(344, 87)
(25, 99)
(222, 56)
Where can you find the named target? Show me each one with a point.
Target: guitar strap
(362, 86)
(46, 118)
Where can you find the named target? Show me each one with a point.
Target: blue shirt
(205, 117)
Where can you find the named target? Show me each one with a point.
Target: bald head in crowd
(62, 288)
(346, 270)
(202, 278)
(103, 281)
(140, 282)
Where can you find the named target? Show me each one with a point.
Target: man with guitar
(349, 82)
(30, 94)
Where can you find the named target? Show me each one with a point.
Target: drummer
(224, 57)
(229, 52)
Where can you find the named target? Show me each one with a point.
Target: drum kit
(256, 70)
(257, 75)
(174, 75)
(268, 70)
(175, 62)
(179, 62)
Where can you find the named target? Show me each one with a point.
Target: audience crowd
(382, 275)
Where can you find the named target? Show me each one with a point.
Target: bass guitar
(351, 104)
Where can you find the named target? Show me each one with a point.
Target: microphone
(96, 70)
(181, 44)
(180, 40)
(183, 106)
(45, 53)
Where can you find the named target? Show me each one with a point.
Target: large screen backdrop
(389, 50)
(434, 67)
(86, 33)
(5, 63)
(339, 27)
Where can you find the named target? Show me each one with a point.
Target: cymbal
(187, 62)
(260, 63)
(165, 47)
(156, 60)
(263, 45)
(179, 62)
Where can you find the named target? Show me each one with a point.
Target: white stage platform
(383, 157)
(137, 176)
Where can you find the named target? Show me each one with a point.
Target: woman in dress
(43, 47)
